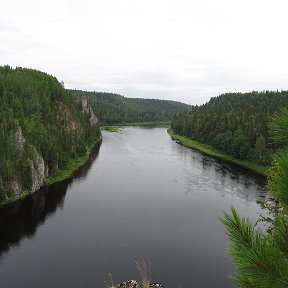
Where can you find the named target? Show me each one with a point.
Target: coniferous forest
(234, 123)
(116, 109)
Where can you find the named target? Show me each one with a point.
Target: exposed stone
(12, 188)
(93, 119)
(37, 169)
(134, 284)
(87, 109)
(46, 173)
(84, 103)
(20, 140)
(129, 284)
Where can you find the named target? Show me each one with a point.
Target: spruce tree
(261, 256)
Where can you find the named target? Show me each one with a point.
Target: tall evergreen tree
(261, 256)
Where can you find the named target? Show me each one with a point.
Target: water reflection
(145, 197)
(22, 218)
(221, 176)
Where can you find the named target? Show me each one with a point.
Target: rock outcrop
(134, 284)
(20, 140)
(93, 119)
(87, 109)
(37, 169)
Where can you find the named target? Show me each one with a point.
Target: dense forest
(41, 129)
(234, 123)
(116, 109)
(261, 254)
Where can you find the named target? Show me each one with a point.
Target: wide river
(141, 196)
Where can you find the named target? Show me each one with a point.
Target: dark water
(141, 196)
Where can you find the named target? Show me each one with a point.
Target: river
(141, 196)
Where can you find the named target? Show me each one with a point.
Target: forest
(37, 117)
(235, 123)
(116, 109)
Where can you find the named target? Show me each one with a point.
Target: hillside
(234, 123)
(42, 129)
(113, 108)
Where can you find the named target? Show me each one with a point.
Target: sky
(182, 50)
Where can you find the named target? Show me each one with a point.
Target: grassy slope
(260, 169)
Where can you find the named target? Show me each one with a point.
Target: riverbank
(153, 123)
(70, 169)
(72, 166)
(259, 169)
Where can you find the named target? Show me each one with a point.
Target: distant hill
(113, 108)
(234, 123)
(42, 129)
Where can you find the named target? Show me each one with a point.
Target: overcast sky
(181, 50)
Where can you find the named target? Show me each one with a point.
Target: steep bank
(45, 133)
(260, 169)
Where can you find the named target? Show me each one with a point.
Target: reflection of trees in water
(224, 177)
(231, 175)
(22, 218)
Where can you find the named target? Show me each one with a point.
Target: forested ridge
(234, 123)
(41, 129)
(116, 109)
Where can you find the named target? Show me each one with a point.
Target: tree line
(116, 109)
(234, 123)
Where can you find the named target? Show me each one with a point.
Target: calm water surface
(141, 196)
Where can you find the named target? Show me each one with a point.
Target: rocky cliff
(42, 129)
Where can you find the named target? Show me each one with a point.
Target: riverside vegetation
(235, 124)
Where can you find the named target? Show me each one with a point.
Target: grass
(144, 269)
(111, 128)
(260, 169)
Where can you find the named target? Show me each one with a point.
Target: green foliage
(279, 127)
(50, 120)
(3, 195)
(236, 124)
(116, 109)
(204, 148)
(261, 257)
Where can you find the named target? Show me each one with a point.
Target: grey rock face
(87, 109)
(93, 119)
(12, 188)
(20, 140)
(37, 169)
(84, 103)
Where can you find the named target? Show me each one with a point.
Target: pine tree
(261, 256)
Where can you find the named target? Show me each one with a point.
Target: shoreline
(152, 123)
(71, 168)
(259, 169)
